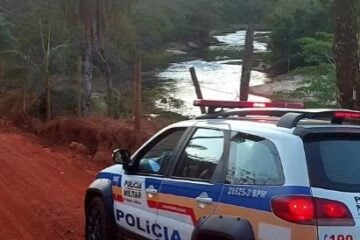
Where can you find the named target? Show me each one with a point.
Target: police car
(265, 171)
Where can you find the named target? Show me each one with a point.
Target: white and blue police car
(261, 171)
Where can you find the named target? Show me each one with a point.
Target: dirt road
(42, 190)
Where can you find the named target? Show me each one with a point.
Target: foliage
(290, 21)
(6, 36)
(320, 70)
(122, 30)
(318, 49)
(45, 41)
(320, 84)
(246, 11)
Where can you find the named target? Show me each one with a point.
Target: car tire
(98, 225)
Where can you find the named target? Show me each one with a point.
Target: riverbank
(218, 70)
(280, 88)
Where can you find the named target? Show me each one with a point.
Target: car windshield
(334, 163)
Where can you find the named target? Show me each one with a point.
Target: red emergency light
(347, 115)
(242, 104)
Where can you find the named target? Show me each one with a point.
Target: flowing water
(219, 80)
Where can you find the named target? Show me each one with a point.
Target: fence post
(197, 87)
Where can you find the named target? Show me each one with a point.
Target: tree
(319, 73)
(318, 49)
(89, 11)
(101, 19)
(289, 21)
(6, 41)
(38, 51)
(109, 36)
(346, 52)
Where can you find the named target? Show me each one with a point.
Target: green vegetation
(46, 47)
(291, 21)
(319, 72)
(319, 40)
(76, 57)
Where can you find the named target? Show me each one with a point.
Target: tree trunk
(48, 80)
(23, 93)
(247, 63)
(346, 52)
(79, 83)
(106, 70)
(99, 27)
(137, 102)
(48, 98)
(2, 70)
(109, 86)
(88, 80)
(127, 6)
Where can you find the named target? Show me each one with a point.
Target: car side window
(253, 161)
(161, 150)
(201, 156)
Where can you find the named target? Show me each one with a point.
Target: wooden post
(197, 87)
(79, 87)
(247, 63)
(137, 102)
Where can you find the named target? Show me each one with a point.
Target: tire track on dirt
(42, 190)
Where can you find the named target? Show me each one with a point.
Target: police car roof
(282, 120)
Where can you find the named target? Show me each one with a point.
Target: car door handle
(151, 191)
(204, 200)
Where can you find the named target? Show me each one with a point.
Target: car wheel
(98, 225)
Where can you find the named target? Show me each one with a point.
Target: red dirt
(42, 190)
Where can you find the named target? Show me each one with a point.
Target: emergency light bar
(290, 114)
(241, 104)
(351, 115)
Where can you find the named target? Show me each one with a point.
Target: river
(219, 80)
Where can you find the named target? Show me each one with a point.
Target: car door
(135, 208)
(191, 190)
(254, 177)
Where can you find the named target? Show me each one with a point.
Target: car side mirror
(121, 156)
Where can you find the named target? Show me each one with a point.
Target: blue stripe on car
(252, 196)
(255, 197)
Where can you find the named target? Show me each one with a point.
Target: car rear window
(334, 162)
